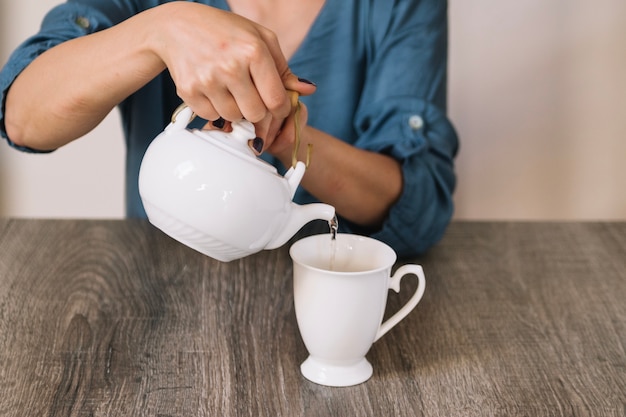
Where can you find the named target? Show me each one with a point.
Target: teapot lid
(235, 142)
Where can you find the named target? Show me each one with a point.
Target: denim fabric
(380, 69)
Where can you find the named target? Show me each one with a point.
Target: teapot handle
(182, 116)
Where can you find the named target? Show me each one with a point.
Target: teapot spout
(301, 215)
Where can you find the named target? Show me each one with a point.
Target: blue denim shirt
(380, 69)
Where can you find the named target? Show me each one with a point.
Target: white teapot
(209, 191)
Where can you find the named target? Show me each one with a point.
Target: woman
(375, 115)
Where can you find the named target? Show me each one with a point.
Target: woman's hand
(360, 184)
(225, 65)
(284, 142)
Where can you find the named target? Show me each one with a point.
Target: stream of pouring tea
(334, 226)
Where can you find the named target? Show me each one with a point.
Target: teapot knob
(243, 131)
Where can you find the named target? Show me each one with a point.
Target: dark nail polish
(304, 80)
(257, 145)
(219, 123)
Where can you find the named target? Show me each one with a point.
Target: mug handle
(394, 283)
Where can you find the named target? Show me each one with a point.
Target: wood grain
(113, 318)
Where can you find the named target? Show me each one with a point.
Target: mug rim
(388, 253)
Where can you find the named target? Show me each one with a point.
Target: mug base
(334, 375)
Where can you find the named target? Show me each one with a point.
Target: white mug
(340, 301)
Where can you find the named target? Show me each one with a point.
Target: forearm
(361, 185)
(69, 89)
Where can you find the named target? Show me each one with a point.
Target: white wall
(82, 179)
(537, 93)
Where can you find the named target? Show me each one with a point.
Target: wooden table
(113, 318)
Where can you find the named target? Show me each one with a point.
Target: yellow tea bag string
(295, 103)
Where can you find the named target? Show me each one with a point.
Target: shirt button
(416, 122)
(83, 22)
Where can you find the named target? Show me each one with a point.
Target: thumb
(300, 85)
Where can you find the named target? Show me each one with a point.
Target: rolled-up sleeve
(64, 22)
(403, 114)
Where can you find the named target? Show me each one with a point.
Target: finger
(284, 141)
(266, 75)
(273, 130)
(202, 107)
(261, 129)
(271, 89)
(257, 144)
(225, 104)
(270, 127)
(273, 47)
(248, 100)
(303, 86)
(237, 96)
(219, 124)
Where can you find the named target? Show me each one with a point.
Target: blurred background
(537, 92)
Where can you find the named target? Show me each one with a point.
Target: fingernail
(304, 80)
(257, 144)
(219, 123)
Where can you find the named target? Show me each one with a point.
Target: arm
(360, 184)
(70, 88)
(395, 180)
